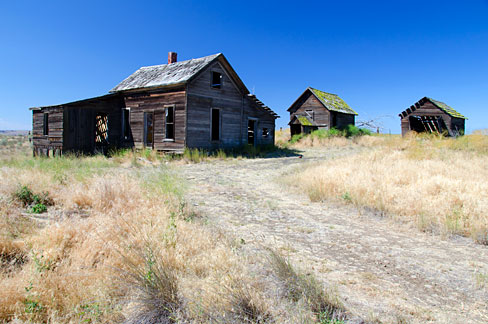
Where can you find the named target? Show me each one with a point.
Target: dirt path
(381, 269)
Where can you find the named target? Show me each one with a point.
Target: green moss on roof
(304, 121)
(447, 109)
(333, 102)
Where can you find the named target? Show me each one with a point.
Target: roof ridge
(334, 94)
(180, 62)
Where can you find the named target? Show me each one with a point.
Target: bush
(25, 195)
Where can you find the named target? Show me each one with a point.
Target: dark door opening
(295, 129)
(251, 132)
(215, 124)
(148, 129)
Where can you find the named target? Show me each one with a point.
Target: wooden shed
(432, 116)
(199, 103)
(315, 109)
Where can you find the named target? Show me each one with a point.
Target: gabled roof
(447, 109)
(439, 104)
(330, 101)
(173, 74)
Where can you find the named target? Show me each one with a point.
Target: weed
(38, 209)
(347, 196)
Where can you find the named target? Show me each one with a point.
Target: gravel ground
(382, 269)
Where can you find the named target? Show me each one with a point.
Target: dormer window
(216, 82)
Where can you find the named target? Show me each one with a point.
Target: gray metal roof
(164, 74)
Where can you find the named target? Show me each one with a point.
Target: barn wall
(155, 102)
(342, 120)
(79, 124)
(54, 140)
(457, 125)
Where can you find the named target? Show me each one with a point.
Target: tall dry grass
(120, 244)
(436, 183)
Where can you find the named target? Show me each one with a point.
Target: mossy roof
(333, 102)
(304, 121)
(447, 109)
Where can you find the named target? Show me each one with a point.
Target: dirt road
(382, 269)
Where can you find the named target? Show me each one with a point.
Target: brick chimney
(172, 57)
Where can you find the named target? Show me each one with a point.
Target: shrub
(24, 195)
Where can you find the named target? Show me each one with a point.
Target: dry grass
(119, 244)
(436, 183)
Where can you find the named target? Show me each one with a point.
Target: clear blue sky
(379, 56)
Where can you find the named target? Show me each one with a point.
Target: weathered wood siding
(235, 110)
(310, 102)
(54, 140)
(202, 98)
(155, 102)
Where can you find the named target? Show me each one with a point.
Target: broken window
(311, 114)
(216, 80)
(265, 133)
(126, 123)
(45, 124)
(170, 122)
(251, 130)
(215, 124)
(101, 128)
(148, 129)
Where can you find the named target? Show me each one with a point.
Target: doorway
(149, 129)
(251, 131)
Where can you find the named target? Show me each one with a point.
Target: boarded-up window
(170, 122)
(101, 128)
(45, 124)
(215, 124)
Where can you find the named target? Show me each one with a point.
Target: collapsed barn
(198, 103)
(432, 116)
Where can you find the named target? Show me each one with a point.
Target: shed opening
(429, 124)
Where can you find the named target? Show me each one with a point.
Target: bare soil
(383, 269)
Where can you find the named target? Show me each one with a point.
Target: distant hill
(14, 132)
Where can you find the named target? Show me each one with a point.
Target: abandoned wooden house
(315, 109)
(198, 103)
(432, 116)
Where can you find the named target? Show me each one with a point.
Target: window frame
(166, 138)
(216, 86)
